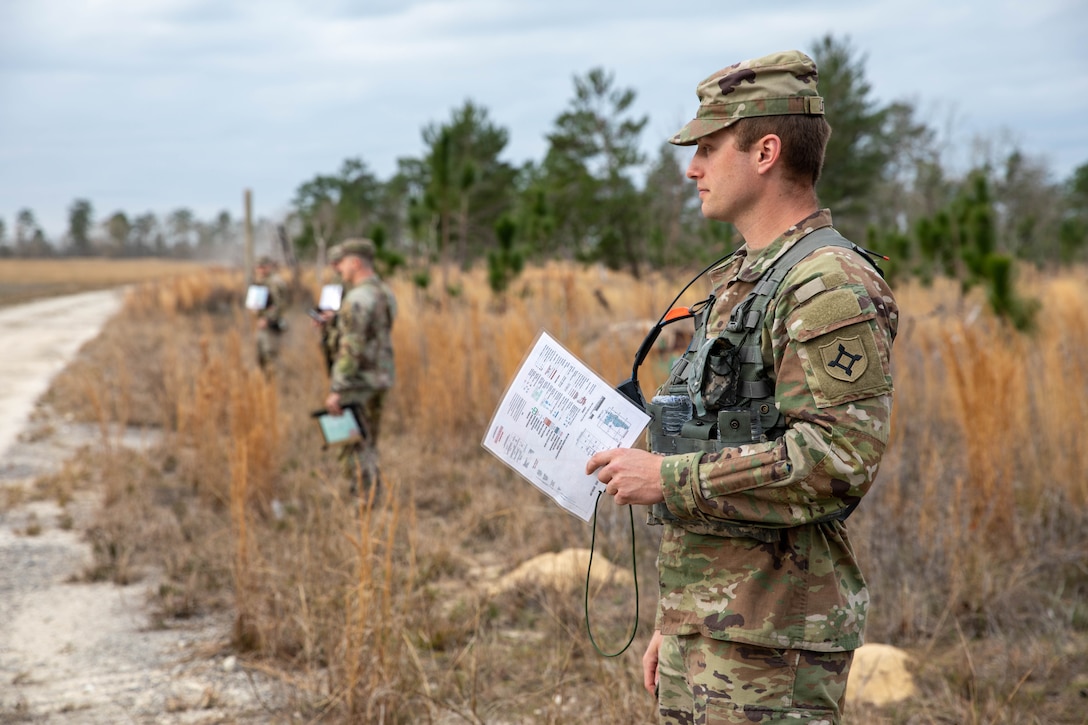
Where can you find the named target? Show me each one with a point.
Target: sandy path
(36, 341)
(75, 652)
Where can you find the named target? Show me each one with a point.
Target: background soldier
(790, 392)
(362, 367)
(330, 337)
(270, 324)
(325, 322)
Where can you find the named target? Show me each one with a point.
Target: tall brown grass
(23, 280)
(974, 536)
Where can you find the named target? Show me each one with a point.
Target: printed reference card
(555, 414)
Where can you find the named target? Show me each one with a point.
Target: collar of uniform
(727, 269)
(756, 264)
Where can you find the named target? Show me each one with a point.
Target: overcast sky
(152, 105)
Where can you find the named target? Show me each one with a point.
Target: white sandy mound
(563, 571)
(880, 675)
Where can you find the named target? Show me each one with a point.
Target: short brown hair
(804, 139)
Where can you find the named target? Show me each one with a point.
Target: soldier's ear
(766, 152)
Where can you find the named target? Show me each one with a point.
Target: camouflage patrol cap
(266, 262)
(778, 84)
(358, 247)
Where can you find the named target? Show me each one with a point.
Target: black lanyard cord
(630, 387)
(634, 574)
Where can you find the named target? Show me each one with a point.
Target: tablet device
(338, 430)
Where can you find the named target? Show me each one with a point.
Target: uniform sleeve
(830, 338)
(350, 326)
(357, 365)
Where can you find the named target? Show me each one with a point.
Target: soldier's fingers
(598, 460)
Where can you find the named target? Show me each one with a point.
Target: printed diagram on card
(554, 415)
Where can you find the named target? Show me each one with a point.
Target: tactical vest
(729, 386)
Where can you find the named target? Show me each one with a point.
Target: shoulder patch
(836, 341)
(845, 358)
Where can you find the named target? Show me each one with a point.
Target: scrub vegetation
(974, 537)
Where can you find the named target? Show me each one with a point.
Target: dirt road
(78, 652)
(36, 341)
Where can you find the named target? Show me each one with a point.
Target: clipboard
(256, 297)
(339, 430)
(331, 295)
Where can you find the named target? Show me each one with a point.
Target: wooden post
(248, 258)
(289, 257)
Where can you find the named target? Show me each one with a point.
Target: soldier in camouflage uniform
(325, 322)
(362, 367)
(762, 601)
(330, 338)
(270, 324)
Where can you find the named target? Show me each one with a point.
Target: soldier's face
(723, 176)
(347, 267)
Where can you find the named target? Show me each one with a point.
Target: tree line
(596, 197)
(179, 234)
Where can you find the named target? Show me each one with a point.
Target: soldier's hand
(332, 404)
(649, 663)
(630, 476)
(320, 318)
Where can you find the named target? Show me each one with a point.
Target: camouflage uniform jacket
(278, 300)
(805, 591)
(330, 342)
(364, 355)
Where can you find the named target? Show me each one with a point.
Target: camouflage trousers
(359, 461)
(268, 347)
(703, 681)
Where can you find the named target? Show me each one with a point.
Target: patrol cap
(358, 247)
(266, 262)
(778, 84)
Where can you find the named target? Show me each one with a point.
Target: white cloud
(167, 103)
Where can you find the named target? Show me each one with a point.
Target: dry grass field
(974, 538)
(23, 280)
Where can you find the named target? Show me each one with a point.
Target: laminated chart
(555, 414)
